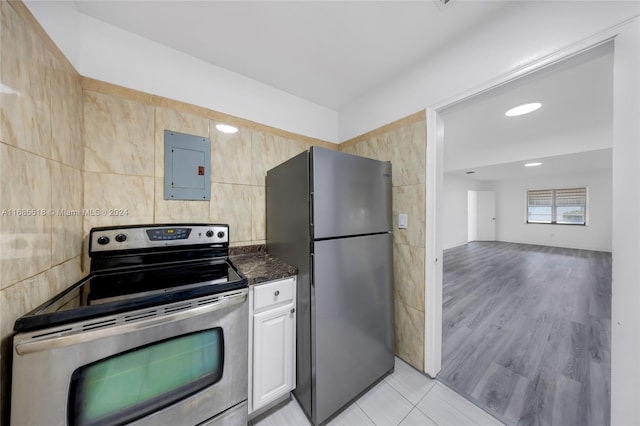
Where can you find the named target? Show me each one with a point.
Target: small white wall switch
(402, 221)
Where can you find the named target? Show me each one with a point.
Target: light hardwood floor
(527, 332)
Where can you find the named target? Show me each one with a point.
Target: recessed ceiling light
(523, 109)
(532, 164)
(225, 128)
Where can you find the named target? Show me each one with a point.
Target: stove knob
(103, 240)
(220, 234)
(121, 238)
(209, 233)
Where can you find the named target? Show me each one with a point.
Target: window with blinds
(566, 206)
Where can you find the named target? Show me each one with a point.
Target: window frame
(554, 205)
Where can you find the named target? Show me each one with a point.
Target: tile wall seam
(122, 174)
(30, 277)
(105, 88)
(51, 143)
(384, 129)
(61, 263)
(409, 245)
(33, 153)
(155, 177)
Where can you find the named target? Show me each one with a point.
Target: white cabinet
(272, 330)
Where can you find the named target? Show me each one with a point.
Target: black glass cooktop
(112, 292)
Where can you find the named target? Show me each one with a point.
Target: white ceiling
(333, 52)
(575, 119)
(327, 52)
(576, 164)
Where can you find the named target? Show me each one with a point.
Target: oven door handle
(79, 335)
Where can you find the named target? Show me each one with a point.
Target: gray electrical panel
(187, 167)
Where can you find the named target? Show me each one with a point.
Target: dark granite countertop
(258, 266)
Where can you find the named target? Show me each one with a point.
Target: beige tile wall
(68, 143)
(404, 144)
(50, 161)
(124, 163)
(41, 156)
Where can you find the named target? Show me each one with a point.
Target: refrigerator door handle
(311, 211)
(311, 280)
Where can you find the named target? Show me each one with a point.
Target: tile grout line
(471, 403)
(400, 393)
(395, 390)
(455, 409)
(413, 406)
(365, 413)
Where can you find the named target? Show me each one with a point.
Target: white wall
(622, 193)
(510, 213)
(625, 306)
(107, 53)
(510, 210)
(455, 192)
(625, 321)
(502, 46)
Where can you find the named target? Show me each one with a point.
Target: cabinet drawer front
(273, 293)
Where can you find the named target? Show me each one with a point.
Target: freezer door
(351, 195)
(352, 318)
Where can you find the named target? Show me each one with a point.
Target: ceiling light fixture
(532, 164)
(523, 109)
(225, 128)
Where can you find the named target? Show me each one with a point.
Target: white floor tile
(417, 418)
(446, 407)
(290, 414)
(411, 384)
(352, 416)
(384, 405)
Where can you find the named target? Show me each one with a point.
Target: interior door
(486, 216)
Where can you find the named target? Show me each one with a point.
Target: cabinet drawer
(269, 294)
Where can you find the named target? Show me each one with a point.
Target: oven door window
(132, 384)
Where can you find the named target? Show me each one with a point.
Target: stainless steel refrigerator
(329, 214)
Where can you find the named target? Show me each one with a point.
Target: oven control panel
(148, 236)
(164, 234)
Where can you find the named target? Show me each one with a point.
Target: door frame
(435, 176)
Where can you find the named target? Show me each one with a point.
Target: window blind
(540, 197)
(540, 206)
(562, 206)
(571, 197)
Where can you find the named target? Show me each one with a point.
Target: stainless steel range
(155, 334)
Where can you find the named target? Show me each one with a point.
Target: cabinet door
(273, 353)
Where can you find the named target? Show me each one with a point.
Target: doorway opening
(500, 339)
(481, 215)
